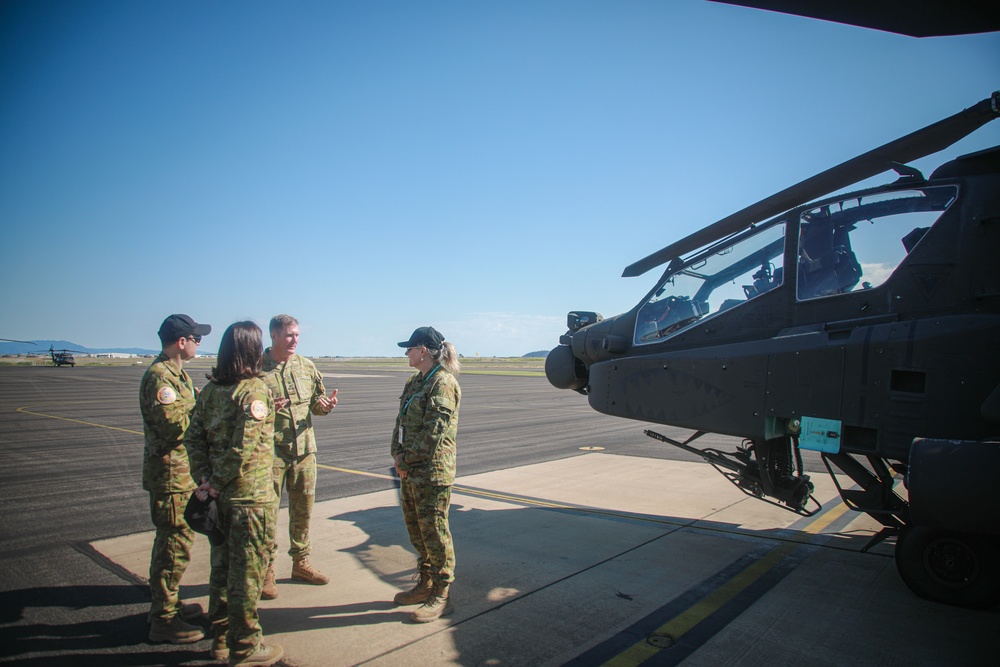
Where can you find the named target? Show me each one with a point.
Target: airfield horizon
(508, 366)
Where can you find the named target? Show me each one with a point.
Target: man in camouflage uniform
(424, 453)
(297, 387)
(166, 399)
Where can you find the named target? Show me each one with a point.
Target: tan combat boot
(219, 650)
(437, 605)
(262, 656)
(269, 590)
(174, 631)
(418, 594)
(190, 610)
(186, 610)
(303, 571)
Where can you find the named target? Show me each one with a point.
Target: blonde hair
(447, 357)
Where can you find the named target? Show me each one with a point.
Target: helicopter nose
(564, 370)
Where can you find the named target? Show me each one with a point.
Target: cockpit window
(712, 281)
(857, 243)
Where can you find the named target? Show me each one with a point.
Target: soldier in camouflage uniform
(297, 387)
(423, 451)
(231, 447)
(166, 399)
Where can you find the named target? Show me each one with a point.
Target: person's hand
(328, 403)
(281, 403)
(205, 491)
(395, 462)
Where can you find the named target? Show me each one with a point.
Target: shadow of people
(119, 637)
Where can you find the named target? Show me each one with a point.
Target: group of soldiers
(167, 397)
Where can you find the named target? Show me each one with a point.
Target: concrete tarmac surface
(566, 554)
(546, 576)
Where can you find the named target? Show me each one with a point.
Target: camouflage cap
(203, 517)
(427, 336)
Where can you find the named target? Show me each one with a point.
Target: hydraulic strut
(769, 470)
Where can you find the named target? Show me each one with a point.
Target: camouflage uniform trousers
(171, 552)
(299, 477)
(238, 569)
(425, 512)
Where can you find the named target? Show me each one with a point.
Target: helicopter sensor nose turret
(562, 367)
(564, 370)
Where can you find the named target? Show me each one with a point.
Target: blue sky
(371, 167)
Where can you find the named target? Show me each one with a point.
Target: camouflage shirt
(166, 399)
(298, 380)
(428, 419)
(231, 440)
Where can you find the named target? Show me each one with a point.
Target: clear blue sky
(371, 167)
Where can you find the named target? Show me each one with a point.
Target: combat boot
(174, 631)
(304, 571)
(262, 656)
(219, 649)
(437, 605)
(269, 590)
(189, 610)
(186, 610)
(418, 594)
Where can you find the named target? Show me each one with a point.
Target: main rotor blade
(928, 18)
(931, 139)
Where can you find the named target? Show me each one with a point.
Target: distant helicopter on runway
(62, 357)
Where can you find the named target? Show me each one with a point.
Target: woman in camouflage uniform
(231, 446)
(423, 451)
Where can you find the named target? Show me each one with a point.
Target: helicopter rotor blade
(931, 139)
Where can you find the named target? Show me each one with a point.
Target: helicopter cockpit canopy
(845, 244)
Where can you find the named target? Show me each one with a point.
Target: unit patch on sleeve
(166, 396)
(258, 410)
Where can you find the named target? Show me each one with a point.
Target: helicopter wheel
(961, 569)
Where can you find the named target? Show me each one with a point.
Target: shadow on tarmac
(503, 555)
(121, 640)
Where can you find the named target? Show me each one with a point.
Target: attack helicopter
(862, 326)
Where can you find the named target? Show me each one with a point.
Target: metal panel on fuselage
(720, 389)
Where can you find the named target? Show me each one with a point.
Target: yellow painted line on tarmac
(514, 499)
(711, 603)
(834, 513)
(815, 527)
(76, 421)
(355, 472)
(698, 612)
(819, 524)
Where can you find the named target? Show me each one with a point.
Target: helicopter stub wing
(923, 142)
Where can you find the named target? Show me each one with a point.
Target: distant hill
(540, 353)
(42, 347)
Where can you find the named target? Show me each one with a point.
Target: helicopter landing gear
(956, 568)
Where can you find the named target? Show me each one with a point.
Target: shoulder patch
(166, 396)
(258, 410)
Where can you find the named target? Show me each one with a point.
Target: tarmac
(603, 559)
